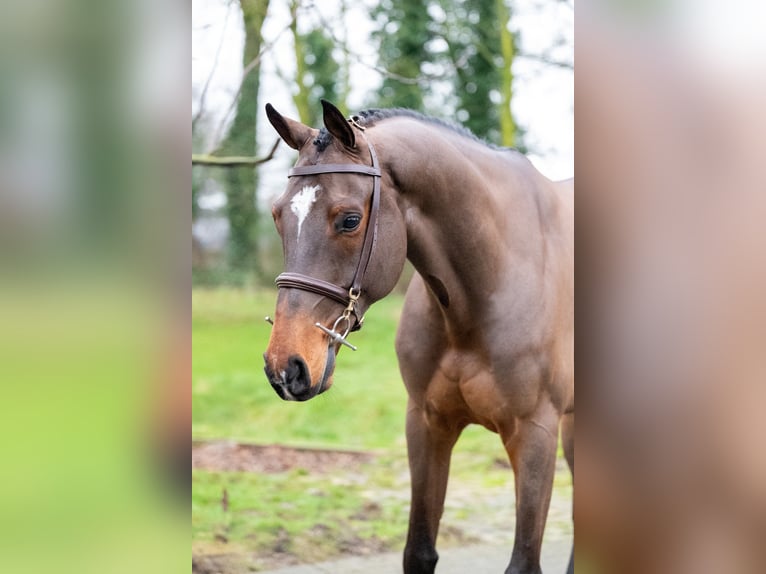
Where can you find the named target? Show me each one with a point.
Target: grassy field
(301, 514)
(232, 399)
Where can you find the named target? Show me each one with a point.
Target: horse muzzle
(293, 383)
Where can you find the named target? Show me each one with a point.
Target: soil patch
(231, 456)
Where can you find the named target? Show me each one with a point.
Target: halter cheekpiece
(347, 296)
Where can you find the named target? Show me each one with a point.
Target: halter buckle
(353, 297)
(354, 120)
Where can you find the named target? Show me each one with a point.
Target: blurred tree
(481, 50)
(344, 83)
(404, 32)
(509, 134)
(196, 176)
(301, 96)
(317, 71)
(469, 41)
(241, 182)
(324, 72)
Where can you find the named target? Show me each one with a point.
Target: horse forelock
(323, 140)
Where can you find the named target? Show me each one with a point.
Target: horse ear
(293, 133)
(337, 125)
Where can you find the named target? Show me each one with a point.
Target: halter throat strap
(344, 295)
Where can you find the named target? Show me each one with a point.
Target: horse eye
(351, 222)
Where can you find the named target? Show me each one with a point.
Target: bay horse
(486, 330)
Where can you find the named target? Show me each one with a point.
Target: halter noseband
(347, 296)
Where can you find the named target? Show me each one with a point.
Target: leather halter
(345, 295)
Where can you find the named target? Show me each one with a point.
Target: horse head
(344, 244)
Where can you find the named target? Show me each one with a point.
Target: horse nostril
(294, 382)
(297, 376)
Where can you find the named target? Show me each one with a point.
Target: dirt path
(232, 456)
(477, 559)
(472, 559)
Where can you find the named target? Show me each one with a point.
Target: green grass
(314, 517)
(232, 399)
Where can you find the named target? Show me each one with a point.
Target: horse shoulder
(420, 338)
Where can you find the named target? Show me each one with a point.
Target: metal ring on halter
(344, 317)
(335, 336)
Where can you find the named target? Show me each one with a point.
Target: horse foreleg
(532, 451)
(429, 446)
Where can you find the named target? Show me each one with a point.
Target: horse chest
(464, 388)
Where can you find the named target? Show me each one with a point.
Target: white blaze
(302, 202)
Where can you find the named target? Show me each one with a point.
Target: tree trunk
(507, 124)
(301, 97)
(241, 183)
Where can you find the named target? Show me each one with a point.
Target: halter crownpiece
(347, 296)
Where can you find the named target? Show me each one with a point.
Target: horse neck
(460, 231)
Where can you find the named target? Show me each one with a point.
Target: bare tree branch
(426, 79)
(252, 65)
(233, 161)
(203, 95)
(330, 30)
(544, 59)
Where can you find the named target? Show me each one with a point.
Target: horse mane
(368, 118)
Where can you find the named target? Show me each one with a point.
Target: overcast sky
(543, 100)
